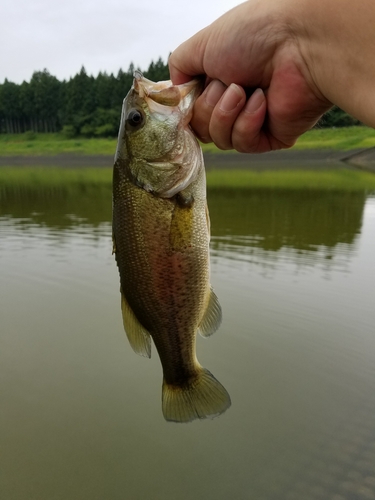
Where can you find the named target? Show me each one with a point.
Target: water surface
(80, 413)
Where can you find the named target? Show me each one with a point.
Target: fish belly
(162, 251)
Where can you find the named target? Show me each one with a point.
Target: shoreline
(312, 159)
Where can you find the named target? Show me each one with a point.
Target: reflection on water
(306, 227)
(80, 412)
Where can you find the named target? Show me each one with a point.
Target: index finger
(187, 61)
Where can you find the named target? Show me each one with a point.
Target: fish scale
(161, 243)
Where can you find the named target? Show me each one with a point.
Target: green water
(80, 413)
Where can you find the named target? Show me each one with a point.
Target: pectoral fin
(138, 337)
(181, 229)
(212, 317)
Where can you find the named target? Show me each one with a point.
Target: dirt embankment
(275, 160)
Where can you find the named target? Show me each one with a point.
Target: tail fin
(204, 398)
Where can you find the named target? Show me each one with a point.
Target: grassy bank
(342, 139)
(337, 139)
(53, 144)
(19, 182)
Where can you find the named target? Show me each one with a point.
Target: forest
(86, 105)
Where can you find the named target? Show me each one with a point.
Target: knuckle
(244, 141)
(221, 135)
(249, 147)
(204, 139)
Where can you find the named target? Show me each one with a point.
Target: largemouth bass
(161, 233)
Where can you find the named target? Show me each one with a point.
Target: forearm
(337, 42)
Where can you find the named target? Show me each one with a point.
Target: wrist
(337, 42)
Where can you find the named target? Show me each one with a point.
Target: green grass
(343, 139)
(338, 139)
(54, 144)
(19, 182)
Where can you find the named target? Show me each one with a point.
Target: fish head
(155, 138)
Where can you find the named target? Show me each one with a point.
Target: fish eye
(134, 118)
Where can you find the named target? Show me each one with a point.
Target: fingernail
(213, 92)
(255, 101)
(231, 98)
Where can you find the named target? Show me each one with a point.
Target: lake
(80, 413)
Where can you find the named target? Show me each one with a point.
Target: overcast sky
(106, 35)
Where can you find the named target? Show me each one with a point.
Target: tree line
(86, 105)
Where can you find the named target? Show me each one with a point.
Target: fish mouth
(170, 107)
(164, 92)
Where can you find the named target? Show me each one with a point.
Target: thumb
(187, 60)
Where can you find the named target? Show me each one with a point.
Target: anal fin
(212, 317)
(139, 338)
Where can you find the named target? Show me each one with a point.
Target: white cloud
(102, 36)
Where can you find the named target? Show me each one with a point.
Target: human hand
(251, 51)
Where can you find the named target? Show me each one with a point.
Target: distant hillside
(86, 105)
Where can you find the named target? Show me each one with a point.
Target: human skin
(273, 69)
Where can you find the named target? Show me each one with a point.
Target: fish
(161, 234)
